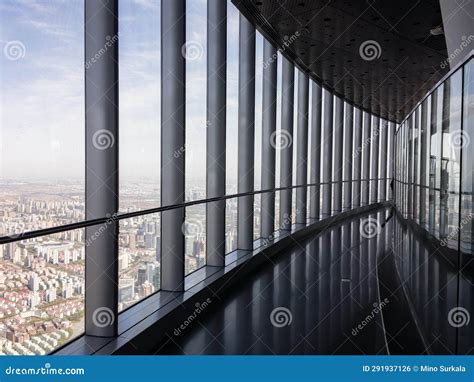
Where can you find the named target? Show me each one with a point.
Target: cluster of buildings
(42, 279)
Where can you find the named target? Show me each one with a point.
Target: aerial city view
(42, 279)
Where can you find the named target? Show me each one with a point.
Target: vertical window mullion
(173, 73)
(246, 144)
(268, 133)
(338, 154)
(285, 144)
(101, 79)
(216, 130)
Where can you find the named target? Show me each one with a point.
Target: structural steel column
(269, 100)
(216, 130)
(302, 148)
(327, 154)
(246, 144)
(101, 97)
(348, 156)
(383, 161)
(286, 150)
(338, 166)
(366, 160)
(357, 157)
(315, 147)
(173, 34)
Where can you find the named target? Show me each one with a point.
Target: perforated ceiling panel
(381, 55)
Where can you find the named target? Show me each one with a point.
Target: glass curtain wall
(44, 275)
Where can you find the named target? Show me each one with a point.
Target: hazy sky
(42, 89)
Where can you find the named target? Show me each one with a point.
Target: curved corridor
(321, 297)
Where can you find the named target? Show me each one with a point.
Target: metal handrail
(127, 215)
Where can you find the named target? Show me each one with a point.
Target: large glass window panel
(41, 114)
(295, 141)
(451, 156)
(139, 260)
(258, 110)
(140, 105)
(277, 134)
(467, 205)
(416, 164)
(425, 128)
(194, 229)
(42, 289)
(232, 88)
(257, 203)
(435, 159)
(309, 159)
(195, 52)
(231, 225)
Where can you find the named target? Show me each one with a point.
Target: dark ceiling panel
(402, 60)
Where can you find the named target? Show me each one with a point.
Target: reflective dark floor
(343, 291)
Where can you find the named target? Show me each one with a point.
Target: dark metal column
(327, 154)
(315, 149)
(366, 160)
(348, 158)
(101, 97)
(302, 148)
(357, 158)
(246, 145)
(286, 150)
(173, 34)
(268, 133)
(216, 130)
(337, 157)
